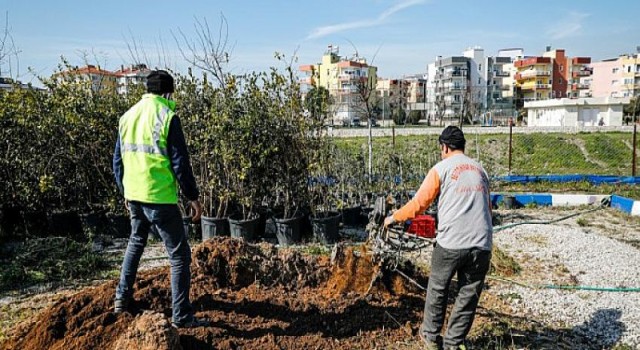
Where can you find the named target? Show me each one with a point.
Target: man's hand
(197, 208)
(389, 220)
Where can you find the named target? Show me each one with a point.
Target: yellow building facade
(348, 82)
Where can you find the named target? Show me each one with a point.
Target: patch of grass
(316, 250)
(537, 239)
(511, 296)
(582, 222)
(51, 259)
(502, 264)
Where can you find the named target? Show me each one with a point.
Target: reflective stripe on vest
(148, 175)
(157, 132)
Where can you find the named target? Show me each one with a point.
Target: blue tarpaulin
(594, 179)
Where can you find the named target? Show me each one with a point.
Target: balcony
(531, 87)
(501, 74)
(532, 61)
(579, 86)
(580, 73)
(532, 74)
(306, 81)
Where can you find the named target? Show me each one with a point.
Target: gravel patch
(590, 259)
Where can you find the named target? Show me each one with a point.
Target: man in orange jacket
(464, 240)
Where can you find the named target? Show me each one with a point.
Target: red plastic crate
(423, 226)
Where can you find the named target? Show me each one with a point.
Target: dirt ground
(261, 297)
(257, 297)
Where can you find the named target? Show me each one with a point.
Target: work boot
(195, 323)
(430, 344)
(121, 305)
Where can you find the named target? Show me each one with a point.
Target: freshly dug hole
(256, 296)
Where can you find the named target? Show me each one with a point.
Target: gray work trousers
(472, 266)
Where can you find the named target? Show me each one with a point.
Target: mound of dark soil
(256, 296)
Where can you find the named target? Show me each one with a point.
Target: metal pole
(510, 145)
(633, 158)
(393, 135)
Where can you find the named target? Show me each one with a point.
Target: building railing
(501, 74)
(581, 73)
(534, 73)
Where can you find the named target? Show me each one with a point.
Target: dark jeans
(471, 265)
(168, 222)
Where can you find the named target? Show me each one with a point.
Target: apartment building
(391, 94)
(348, 80)
(97, 77)
(10, 84)
(128, 77)
(408, 92)
(450, 81)
(616, 77)
(552, 75)
(473, 85)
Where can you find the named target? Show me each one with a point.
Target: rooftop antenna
(354, 48)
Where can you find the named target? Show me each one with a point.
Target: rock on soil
(256, 297)
(149, 331)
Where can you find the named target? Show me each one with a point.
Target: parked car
(353, 122)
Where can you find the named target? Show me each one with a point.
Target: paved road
(387, 131)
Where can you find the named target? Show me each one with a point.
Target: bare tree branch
(206, 52)
(8, 48)
(137, 53)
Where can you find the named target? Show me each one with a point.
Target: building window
(480, 68)
(479, 81)
(614, 70)
(561, 67)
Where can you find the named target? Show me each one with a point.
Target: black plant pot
(351, 216)
(325, 227)
(270, 228)
(288, 230)
(266, 225)
(214, 227)
(245, 229)
(119, 226)
(65, 224)
(364, 215)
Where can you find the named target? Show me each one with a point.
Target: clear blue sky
(400, 36)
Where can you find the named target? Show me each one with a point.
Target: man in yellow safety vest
(149, 162)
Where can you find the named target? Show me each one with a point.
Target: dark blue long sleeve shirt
(178, 155)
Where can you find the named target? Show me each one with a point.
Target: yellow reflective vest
(148, 176)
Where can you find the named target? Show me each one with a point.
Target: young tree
(399, 116)
(366, 102)
(317, 102)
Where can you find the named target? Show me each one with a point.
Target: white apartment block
(478, 86)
